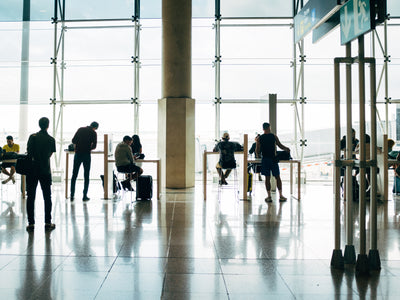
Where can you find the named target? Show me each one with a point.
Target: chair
(235, 185)
(122, 189)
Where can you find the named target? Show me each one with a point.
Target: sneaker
(268, 199)
(282, 199)
(72, 198)
(49, 226)
(13, 179)
(30, 227)
(126, 184)
(85, 198)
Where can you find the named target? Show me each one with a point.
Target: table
(291, 162)
(245, 162)
(157, 161)
(23, 178)
(67, 153)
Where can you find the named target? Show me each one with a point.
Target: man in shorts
(9, 147)
(266, 145)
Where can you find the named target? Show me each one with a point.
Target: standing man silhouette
(40, 148)
(85, 140)
(266, 145)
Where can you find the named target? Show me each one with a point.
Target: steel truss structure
(57, 101)
(298, 64)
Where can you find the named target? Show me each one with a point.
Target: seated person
(391, 153)
(125, 161)
(227, 160)
(256, 167)
(137, 147)
(354, 143)
(9, 147)
(367, 158)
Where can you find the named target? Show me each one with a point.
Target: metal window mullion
(302, 102)
(217, 66)
(136, 76)
(299, 87)
(386, 64)
(55, 75)
(60, 122)
(294, 64)
(383, 75)
(54, 62)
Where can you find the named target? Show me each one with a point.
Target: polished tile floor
(182, 247)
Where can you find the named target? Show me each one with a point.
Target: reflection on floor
(182, 247)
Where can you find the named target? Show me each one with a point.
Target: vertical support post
(273, 124)
(106, 166)
(373, 256)
(385, 169)
(291, 179)
(337, 261)
(299, 180)
(24, 82)
(66, 173)
(349, 251)
(245, 151)
(272, 112)
(362, 259)
(205, 174)
(159, 180)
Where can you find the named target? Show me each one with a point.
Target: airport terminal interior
(250, 62)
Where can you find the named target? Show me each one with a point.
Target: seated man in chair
(124, 160)
(9, 147)
(227, 160)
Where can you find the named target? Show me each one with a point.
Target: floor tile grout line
(218, 258)
(108, 272)
(168, 248)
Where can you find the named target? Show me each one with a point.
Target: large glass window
(256, 60)
(257, 8)
(253, 62)
(11, 10)
(150, 9)
(393, 8)
(98, 62)
(150, 57)
(98, 9)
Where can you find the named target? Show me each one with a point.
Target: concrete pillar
(176, 109)
(272, 113)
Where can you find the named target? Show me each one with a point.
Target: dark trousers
(85, 159)
(31, 185)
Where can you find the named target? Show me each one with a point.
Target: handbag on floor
(144, 187)
(24, 165)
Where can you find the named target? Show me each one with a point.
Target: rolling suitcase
(144, 187)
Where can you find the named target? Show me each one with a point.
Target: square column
(176, 141)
